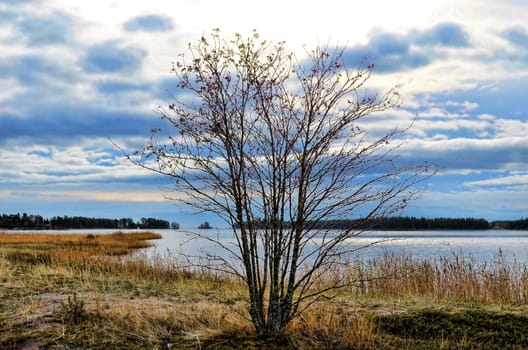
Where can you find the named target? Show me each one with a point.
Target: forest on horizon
(37, 222)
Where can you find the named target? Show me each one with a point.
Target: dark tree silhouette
(273, 144)
(25, 221)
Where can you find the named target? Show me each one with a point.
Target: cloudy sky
(75, 72)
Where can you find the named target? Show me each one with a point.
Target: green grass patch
(471, 329)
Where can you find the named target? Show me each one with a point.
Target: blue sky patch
(111, 57)
(40, 31)
(444, 34)
(149, 23)
(517, 36)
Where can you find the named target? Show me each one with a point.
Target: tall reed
(454, 278)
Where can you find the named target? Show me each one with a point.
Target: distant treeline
(25, 221)
(413, 223)
(511, 225)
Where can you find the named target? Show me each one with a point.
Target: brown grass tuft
(328, 325)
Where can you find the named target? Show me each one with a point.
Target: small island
(205, 225)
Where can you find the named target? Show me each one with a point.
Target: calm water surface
(482, 245)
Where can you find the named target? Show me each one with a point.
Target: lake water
(482, 245)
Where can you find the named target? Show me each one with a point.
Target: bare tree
(273, 145)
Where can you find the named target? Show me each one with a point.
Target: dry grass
(447, 279)
(77, 247)
(335, 325)
(54, 286)
(85, 291)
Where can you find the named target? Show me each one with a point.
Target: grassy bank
(84, 292)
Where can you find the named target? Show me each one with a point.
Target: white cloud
(453, 125)
(518, 180)
(466, 106)
(10, 88)
(472, 144)
(489, 203)
(509, 153)
(486, 116)
(84, 195)
(43, 165)
(511, 128)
